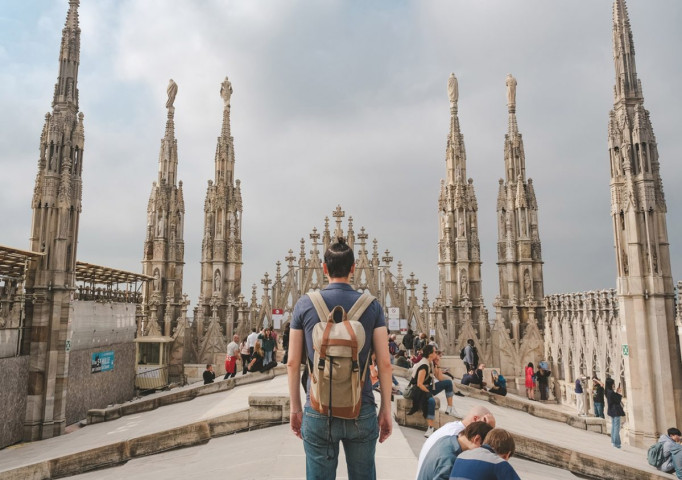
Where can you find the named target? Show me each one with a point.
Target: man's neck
(339, 279)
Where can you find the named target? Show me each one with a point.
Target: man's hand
(295, 422)
(385, 424)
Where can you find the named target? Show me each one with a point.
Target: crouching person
(489, 461)
(442, 455)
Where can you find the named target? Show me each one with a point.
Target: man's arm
(294, 377)
(380, 345)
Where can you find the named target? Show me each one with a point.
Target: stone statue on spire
(453, 89)
(226, 91)
(172, 91)
(511, 91)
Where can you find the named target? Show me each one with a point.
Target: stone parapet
(263, 411)
(181, 395)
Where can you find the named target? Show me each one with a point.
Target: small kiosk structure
(152, 360)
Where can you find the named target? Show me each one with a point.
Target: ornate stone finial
(172, 91)
(453, 90)
(387, 258)
(511, 92)
(226, 91)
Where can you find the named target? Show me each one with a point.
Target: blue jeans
(599, 410)
(268, 358)
(437, 388)
(615, 431)
(359, 438)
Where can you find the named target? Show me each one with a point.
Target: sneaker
(450, 410)
(428, 432)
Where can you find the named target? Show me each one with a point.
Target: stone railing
(106, 294)
(582, 339)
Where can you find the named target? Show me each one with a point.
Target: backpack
(337, 391)
(392, 348)
(475, 352)
(655, 454)
(462, 354)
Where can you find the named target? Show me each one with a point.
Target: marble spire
(645, 289)
(56, 208)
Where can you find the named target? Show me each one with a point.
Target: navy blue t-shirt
(305, 317)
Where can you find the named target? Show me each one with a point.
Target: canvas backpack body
(336, 375)
(655, 454)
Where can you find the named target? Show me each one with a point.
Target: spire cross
(266, 282)
(412, 281)
(290, 258)
(339, 214)
(315, 236)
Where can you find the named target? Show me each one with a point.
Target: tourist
(321, 444)
(470, 355)
(614, 410)
(401, 361)
(267, 342)
(598, 398)
(245, 353)
(416, 358)
(257, 358)
(419, 342)
(530, 381)
(478, 413)
(490, 461)
(470, 379)
(408, 342)
(285, 342)
(499, 382)
(209, 374)
(670, 443)
(423, 376)
(542, 375)
(392, 347)
(579, 397)
(252, 339)
(231, 358)
(275, 348)
(478, 373)
(441, 457)
(432, 341)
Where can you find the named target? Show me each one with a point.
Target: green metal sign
(626, 350)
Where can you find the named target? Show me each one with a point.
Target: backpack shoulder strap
(320, 305)
(360, 306)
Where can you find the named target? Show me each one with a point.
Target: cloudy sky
(340, 102)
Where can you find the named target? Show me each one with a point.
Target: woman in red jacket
(530, 381)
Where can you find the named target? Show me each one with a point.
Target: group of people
(539, 378)
(472, 448)
(256, 353)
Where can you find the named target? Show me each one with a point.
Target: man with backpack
(323, 423)
(666, 455)
(470, 355)
(392, 347)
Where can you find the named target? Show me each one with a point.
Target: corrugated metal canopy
(13, 261)
(87, 272)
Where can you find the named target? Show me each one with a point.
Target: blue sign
(102, 362)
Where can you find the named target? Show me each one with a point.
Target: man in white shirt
(477, 414)
(251, 340)
(231, 358)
